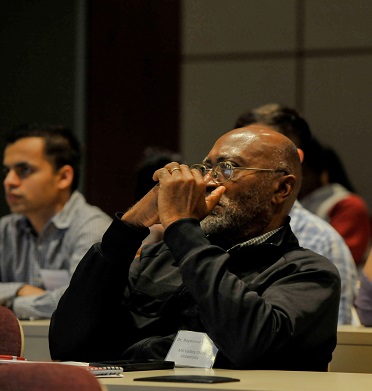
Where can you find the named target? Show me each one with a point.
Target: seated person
(51, 225)
(229, 266)
(311, 231)
(363, 302)
(327, 191)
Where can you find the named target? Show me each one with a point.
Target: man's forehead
(242, 139)
(27, 143)
(25, 149)
(252, 133)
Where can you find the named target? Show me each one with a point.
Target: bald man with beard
(229, 267)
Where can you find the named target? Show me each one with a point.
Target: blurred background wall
(126, 74)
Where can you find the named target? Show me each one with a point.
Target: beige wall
(315, 55)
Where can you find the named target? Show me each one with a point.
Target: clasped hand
(180, 193)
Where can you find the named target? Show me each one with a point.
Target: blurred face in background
(30, 180)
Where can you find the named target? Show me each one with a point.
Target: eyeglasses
(224, 171)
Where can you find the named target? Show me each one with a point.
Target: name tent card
(192, 349)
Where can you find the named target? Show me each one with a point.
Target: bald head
(262, 147)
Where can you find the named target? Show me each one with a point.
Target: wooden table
(36, 339)
(249, 381)
(353, 352)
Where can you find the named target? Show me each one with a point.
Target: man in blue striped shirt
(51, 225)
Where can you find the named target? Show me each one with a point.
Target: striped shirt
(60, 246)
(317, 235)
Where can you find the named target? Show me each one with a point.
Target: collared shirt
(60, 246)
(317, 235)
(257, 240)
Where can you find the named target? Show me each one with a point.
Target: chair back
(11, 333)
(47, 377)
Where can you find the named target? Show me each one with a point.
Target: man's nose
(208, 178)
(11, 178)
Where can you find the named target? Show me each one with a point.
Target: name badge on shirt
(192, 349)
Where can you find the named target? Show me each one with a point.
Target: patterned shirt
(317, 235)
(60, 246)
(257, 240)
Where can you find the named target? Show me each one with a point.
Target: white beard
(242, 218)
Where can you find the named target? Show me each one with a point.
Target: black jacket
(268, 306)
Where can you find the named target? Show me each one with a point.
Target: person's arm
(8, 291)
(363, 302)
(38, 306)
(30, 290)
(89, 320)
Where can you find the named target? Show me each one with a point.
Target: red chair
(47, 377)
(11, 333)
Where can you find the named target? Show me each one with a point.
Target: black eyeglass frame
(203, 169)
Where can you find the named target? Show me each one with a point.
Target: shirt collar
(63, 218)
(257, 240)
(60, 220)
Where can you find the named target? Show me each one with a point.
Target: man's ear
(301, 154)
(285, 186)
(65, 177)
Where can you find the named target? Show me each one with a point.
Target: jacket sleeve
(247, 323)
(8, 291)
(88, 322)
(363, 302)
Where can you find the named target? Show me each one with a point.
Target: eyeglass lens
(222, 172)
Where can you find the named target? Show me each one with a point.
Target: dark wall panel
(133, 73)
(37, 43)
